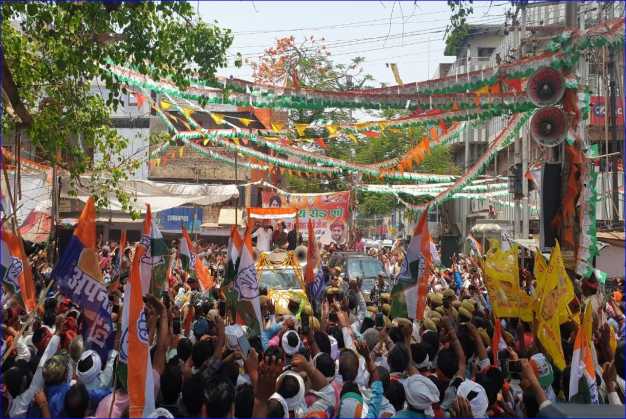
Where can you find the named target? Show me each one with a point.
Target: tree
(309, 64)
(54, 52)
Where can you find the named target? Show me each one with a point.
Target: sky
(410, 34)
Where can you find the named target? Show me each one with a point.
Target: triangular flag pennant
(277, 126)
(515, 84)
(141, 99)
(300, 128)
(496, 89)
(157, 162)
(246, 121)
(434, 133)
(482, 91)
(442, 126)
(165, 105)
(477, 101)
(205, 141)
(217, 118)
(455, 106)
(187, 112)
(332, 129)
(181, 151)
(353, 138)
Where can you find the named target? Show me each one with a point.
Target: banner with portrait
(329, 212)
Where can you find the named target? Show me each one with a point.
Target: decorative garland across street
(503, 139)
(563, 52)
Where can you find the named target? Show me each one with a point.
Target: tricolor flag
(234, 249)
(247, 288)
(409, 295)
(79, 278)
(156, 257)
(583, 362)
(188, 258)
(135, 344)
(16, 271)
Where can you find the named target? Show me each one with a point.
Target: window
(485, 52)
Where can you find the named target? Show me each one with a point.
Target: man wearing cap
(421, 393)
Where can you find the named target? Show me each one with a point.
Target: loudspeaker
(545, 87)
(550, 203)
(449, 246)
(548, 126)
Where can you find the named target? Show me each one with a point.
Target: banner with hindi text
(329, 212)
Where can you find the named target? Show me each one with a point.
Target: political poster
(329, 212)
(598, 111)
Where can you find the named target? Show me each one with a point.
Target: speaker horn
(548, 126)
(545, 87)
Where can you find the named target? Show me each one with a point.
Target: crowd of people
(350, 357)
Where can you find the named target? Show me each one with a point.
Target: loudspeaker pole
(613, 124)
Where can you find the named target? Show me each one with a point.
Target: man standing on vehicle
(263, 236)
(378, 289)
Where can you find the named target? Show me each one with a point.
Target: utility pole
(613, 123)
(525, 135)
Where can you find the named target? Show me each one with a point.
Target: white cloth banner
(161, 195)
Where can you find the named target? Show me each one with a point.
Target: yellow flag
(217, 118)
(277, 126)
(206, 141)
(353, 138)
(539, 270)
(181, 151)
(482, 91)
(187, 112)
(300, 129)
(565, 287)
(165, 105)
(332, 129)
(157, 162)
(246, 121)
(548, 325)
(502, 281)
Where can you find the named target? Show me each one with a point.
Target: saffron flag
(234, 249)
(16, 271)
(79, 278)
(135, 344)
(583, 363)
(409, 294)
(189, 258)
(247, 288)
(502, 281)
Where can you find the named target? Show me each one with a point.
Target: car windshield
(278, 279)
(364, 267)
